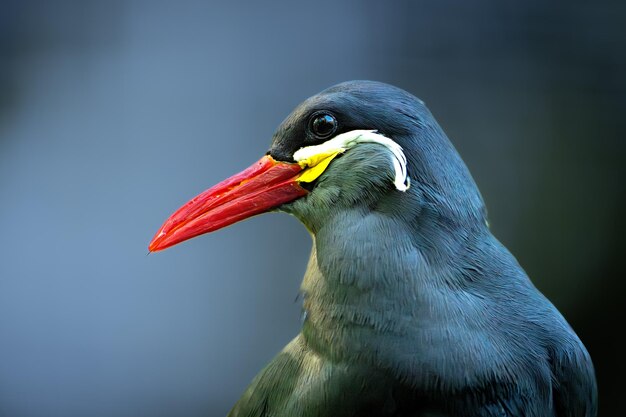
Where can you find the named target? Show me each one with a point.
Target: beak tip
(155, 244)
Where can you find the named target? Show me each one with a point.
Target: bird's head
(359, 144)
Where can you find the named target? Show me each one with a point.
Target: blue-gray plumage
(413, 307)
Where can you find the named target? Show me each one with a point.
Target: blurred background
(114, 113)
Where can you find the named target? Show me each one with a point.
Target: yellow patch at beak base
(316, 165)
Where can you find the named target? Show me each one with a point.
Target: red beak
(264, 185)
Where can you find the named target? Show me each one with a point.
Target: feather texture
(413, 308)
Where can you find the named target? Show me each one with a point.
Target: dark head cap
(440, 181)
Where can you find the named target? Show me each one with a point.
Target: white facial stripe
(345, 141)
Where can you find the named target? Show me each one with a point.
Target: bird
(411, 306)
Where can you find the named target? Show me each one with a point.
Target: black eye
(323, 124)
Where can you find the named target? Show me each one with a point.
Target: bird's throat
(358, 289)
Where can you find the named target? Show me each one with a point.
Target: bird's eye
(323, 124)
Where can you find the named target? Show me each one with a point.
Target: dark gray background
(112, 114)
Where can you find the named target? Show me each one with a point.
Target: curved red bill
(264, 185)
